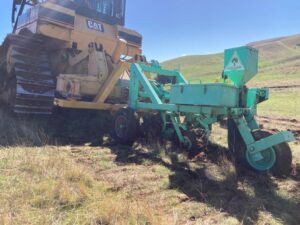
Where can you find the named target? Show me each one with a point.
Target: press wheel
(126, 127)
(277, 159)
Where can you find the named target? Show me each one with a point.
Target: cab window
(107, 7)
(112, 8)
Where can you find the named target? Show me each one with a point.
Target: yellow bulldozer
(68, 53)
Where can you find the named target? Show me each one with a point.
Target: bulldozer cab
(111, 11)
(108, 11)
(107, 7)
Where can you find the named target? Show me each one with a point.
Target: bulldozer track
(29, 81)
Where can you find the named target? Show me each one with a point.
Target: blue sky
(173, 28)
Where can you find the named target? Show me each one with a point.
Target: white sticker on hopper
(235, 63)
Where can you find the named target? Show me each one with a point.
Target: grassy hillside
(279, 60)
(279, 65)
(196, 68)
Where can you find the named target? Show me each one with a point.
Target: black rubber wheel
(283, 163)
(235, 145)
(193, 147)
(2, 78)
(152, 126)
(126, 127)
(153, 134)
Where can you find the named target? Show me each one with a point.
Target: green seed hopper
(163, 102)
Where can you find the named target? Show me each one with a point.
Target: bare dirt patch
(278, 123)
(202, 191)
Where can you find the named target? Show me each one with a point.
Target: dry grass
(115, 185)
(118, 185)
(42, 184)
(46, 186)
(20, 131)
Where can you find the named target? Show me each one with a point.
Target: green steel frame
(148, 94)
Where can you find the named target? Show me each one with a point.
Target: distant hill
(279, 60)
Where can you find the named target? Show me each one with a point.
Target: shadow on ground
(64, 127)
(242, 196)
